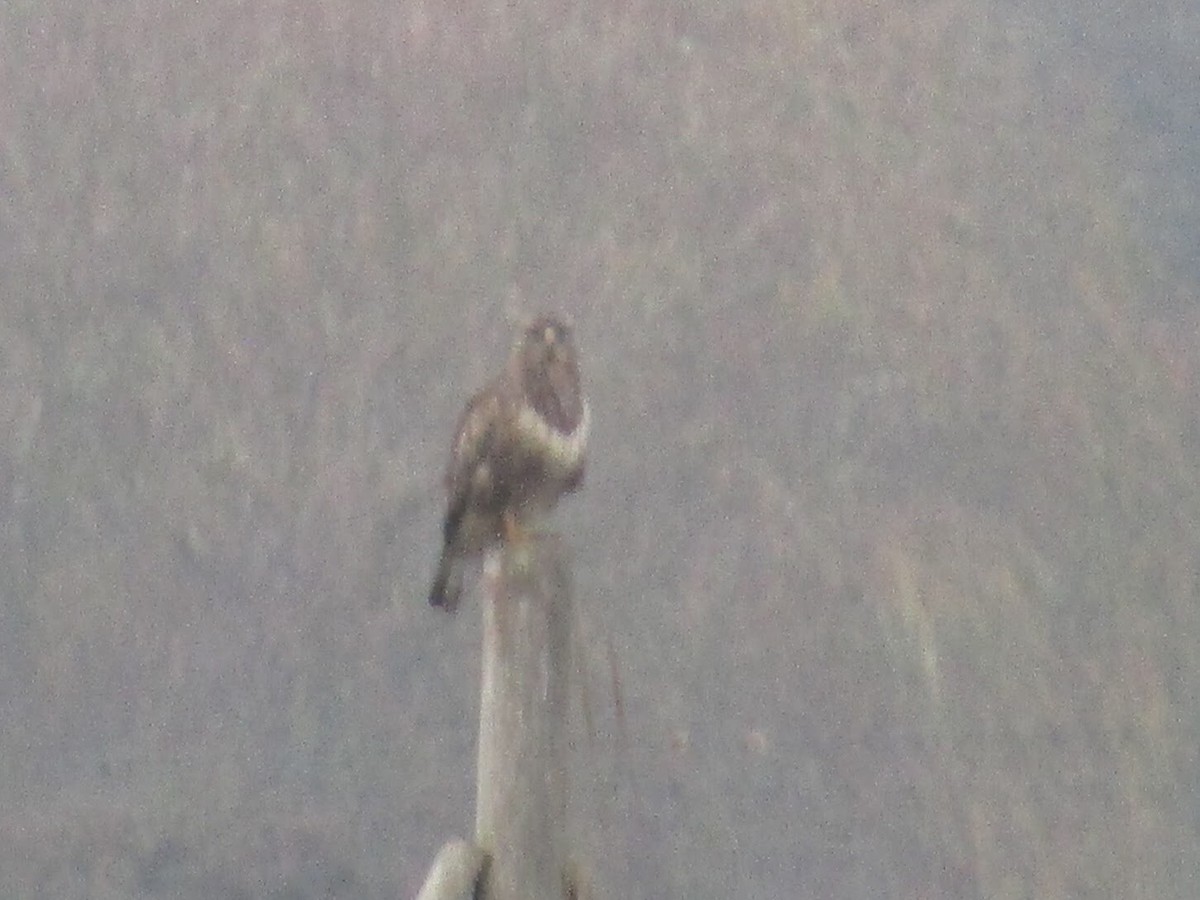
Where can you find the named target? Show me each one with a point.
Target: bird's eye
(551, 334)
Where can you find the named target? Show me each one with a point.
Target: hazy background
(889, 317)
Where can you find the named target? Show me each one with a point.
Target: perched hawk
(519, 447)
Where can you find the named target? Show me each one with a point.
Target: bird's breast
(561, 452)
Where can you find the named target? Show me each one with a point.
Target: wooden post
(521, 799)
(521, 848)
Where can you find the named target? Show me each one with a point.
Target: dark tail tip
(446, 586)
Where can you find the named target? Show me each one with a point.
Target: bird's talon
(512, 531)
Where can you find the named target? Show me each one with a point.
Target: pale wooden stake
(521, 781)
(521, 799)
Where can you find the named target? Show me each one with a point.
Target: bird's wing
(473, 445)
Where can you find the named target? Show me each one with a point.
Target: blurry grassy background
(889, 317)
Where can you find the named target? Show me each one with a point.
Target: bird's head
(546, 341)
(549, 371)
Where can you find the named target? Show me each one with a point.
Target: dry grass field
(889, 318)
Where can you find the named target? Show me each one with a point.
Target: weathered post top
(521, 800)
(521, 844)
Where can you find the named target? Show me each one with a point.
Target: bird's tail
(447, 583)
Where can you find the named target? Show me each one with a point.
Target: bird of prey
(520, 445)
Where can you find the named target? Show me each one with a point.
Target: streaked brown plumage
(520, 446)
